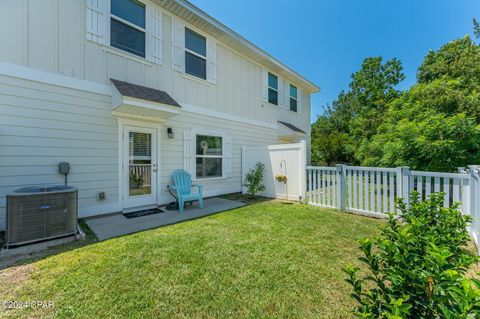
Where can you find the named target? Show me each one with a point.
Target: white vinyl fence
(372, 190)
(282, 159)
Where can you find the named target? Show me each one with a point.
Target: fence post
(403, 183)
(341, 188)
(303, 172)
(243, 169)
(474, 203)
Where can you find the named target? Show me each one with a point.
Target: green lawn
(264, 260)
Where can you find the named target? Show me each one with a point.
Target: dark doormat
(144, 212)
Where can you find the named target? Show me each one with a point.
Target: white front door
(139, 167)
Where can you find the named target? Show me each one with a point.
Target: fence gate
(281, 159)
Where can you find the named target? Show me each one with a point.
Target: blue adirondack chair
(183, 187)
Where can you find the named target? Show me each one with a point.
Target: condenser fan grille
(40, 213)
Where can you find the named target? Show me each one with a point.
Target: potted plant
(281, 178)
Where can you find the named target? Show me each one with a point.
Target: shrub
(136, 180)
(416, 267)
(254, 179)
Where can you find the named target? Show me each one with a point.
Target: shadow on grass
(91, 238)
(18, 260)
(247, 198)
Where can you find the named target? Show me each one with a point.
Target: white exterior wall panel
(42, 124)
(51, 35)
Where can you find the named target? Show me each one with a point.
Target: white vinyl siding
(47, 124)
(44, 124)
(53, 42)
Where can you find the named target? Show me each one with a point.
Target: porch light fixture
(170, 132)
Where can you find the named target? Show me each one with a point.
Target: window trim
(292, 97)
(132, 25)
(195, 53)
(195, 133)
(272, 88)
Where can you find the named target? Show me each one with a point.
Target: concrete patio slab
(110, 226)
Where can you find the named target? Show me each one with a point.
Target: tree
(434, 124)
(353, 118)
(476, 28)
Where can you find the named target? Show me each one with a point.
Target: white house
(127, 91)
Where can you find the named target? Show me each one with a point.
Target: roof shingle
(144, 93)
(292, 127)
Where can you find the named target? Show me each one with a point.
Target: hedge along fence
(372, 191)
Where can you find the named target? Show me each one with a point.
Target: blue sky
(326, 40)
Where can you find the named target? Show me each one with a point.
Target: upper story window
(195, 54)
(272, 89)
(293, 98)
(127, 26)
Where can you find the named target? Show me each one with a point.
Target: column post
(341, 188)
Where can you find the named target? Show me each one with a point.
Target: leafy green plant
(416, 267)
(281, 178)
(254, 179)
(136, 180)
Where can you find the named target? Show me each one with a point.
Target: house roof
(292, 127)
(195, 16)
(144, 93)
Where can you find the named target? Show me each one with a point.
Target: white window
(208, 156)
(127, 26)
(195, 54)
(272, 89)
(293, 98)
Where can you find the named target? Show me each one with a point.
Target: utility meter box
(64, 168)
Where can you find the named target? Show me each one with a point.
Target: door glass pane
(140, 163)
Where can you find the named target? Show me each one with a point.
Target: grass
(264, 260)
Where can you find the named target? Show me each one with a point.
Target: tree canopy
(434, 125)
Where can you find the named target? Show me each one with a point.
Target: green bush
(416, 267)
(254, 179)
(136, 180)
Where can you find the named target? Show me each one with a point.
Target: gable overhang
(198, 18)
(133, 107)
(289, 131)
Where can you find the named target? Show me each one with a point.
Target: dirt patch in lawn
(14, 277)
